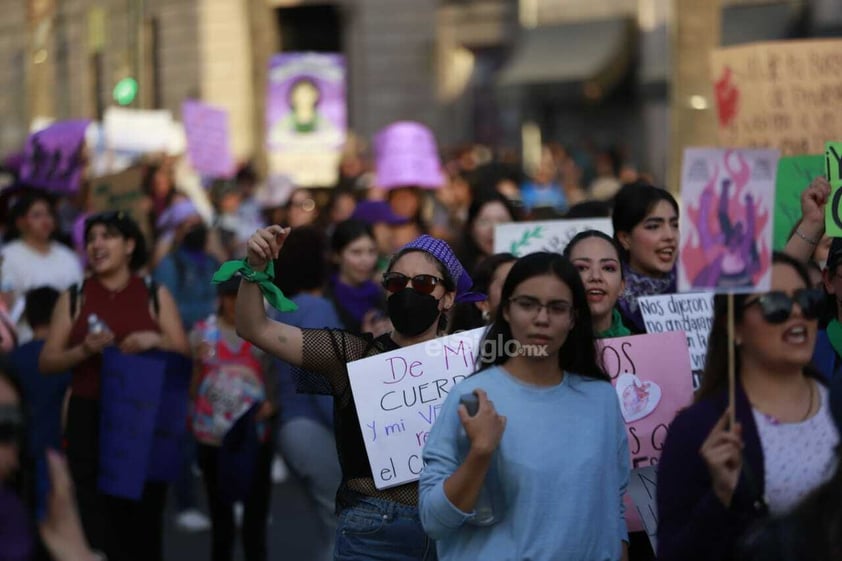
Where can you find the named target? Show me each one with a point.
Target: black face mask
(412, 313)
(195, 238)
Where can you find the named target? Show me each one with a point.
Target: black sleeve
(325, 355)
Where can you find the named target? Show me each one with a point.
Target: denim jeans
(375, 529)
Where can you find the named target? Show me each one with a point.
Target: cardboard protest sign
(138, 130)
(522, 238)
(643, 485)
(780, 95)
(398, 396)
(651, 375)
(726, 232)
(171, 421)
(131, 390)
(54, 157)
(121, 191)
(795, 173)
(833, 172)
(208, 145)
(306, 117)
(691, 313)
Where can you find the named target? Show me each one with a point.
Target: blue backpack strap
(76, 291)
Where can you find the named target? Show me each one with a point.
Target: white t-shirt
(24, 269)
(798, 457)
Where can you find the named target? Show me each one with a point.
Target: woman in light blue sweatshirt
(539, 471)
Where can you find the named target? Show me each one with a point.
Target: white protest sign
(138, 130)
(521, 238)
(643, 483)
(398, 396)
(691, 313)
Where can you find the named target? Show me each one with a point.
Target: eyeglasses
(422, 284)
(777, 306)
(530, 305)
(307, 205)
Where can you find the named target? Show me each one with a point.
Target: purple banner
(171, 423)
(131, 391)
(206, 128)
(54, 156)
(306, 100)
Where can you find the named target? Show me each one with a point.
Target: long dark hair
(469, 251)
(25, 201)
(466, 315)
(715, 375)
(632, 203)
(578, 353)
(302, 261)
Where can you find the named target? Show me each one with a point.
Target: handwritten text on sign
(522, 238)
(690, 313)
(398, 396)
(833, 171)
(651, 374)
(643, 484)
(782, 95)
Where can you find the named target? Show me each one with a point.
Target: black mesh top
(326, 353)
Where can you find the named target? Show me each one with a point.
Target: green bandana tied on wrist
(264, 280)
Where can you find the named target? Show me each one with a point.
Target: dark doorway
(314, 28)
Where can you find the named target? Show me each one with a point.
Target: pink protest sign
(726, 230)
(654, 381)
(206, 128)
(407, 156)
(54, 157)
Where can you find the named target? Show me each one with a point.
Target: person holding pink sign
(538, 467)
(714, 481)
(645, 224)
(423, 280)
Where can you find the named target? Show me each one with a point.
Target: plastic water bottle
(489, 508)
(210, 334)
(96, 325)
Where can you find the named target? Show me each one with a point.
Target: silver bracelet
(810, 241)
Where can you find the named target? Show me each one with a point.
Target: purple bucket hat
(441, 251)
(377, 212)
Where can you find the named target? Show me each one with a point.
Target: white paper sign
(691, 313)
(398, 396)
(521, 238)
(138, 130)
(643, 484)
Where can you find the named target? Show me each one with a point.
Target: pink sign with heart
(654, 381)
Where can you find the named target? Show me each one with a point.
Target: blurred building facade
(474, 70)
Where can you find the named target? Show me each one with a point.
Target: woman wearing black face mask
(424, 279)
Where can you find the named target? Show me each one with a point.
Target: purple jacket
(692, 523)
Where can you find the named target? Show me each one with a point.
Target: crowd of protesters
(363, 268)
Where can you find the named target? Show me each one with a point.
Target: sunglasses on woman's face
(422, 284)
(777, 306)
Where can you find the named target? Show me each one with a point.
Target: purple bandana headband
(441, 251)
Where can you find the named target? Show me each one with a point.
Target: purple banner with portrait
(54, 157)
(206, 128)
(306, 116)
(130, 393)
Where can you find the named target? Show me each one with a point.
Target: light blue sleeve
(439, 517)
(623, 464)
